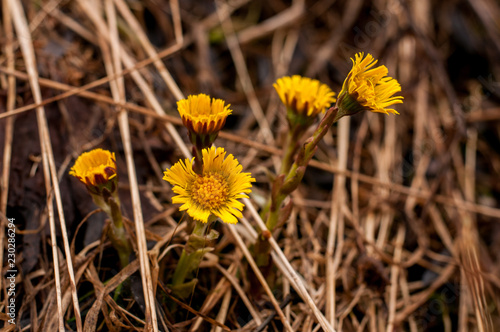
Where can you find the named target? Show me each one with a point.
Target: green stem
(118, 234)
(273, 216)
(284, 185)
(191, 254)
(200, 228)
(110, 203)
(290, 148)
(181, 270)
(309, 148)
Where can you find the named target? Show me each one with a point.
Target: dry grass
(395, 226)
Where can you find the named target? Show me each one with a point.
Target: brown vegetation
(395, 226)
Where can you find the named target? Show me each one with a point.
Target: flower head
(213, 192)
(203, 117)
(95, 169)
(367, 88)
(304, 96)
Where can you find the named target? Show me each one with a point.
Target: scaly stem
(110, 203)
(290, 147)
(272, 218)
(191, 254)
(181, 269)
(284, 185)
(117, 234)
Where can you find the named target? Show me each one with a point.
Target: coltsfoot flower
(215, 191)
(367, 88)
(204, 118)
(96, 169)
(304, 96)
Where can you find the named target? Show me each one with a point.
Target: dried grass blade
(258, 274)
(49, 168)
(9, 126)
(338, 200)
(284, 265)
(398, 250)
(119, 96)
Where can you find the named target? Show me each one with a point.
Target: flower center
(210, 190)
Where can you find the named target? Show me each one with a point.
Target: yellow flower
(202, 117)
(304, 96)
(215, 191)
(95, 168)
(367, 88)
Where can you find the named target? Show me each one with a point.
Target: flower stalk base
(117, 234)
(284, 185)
(197, 245)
